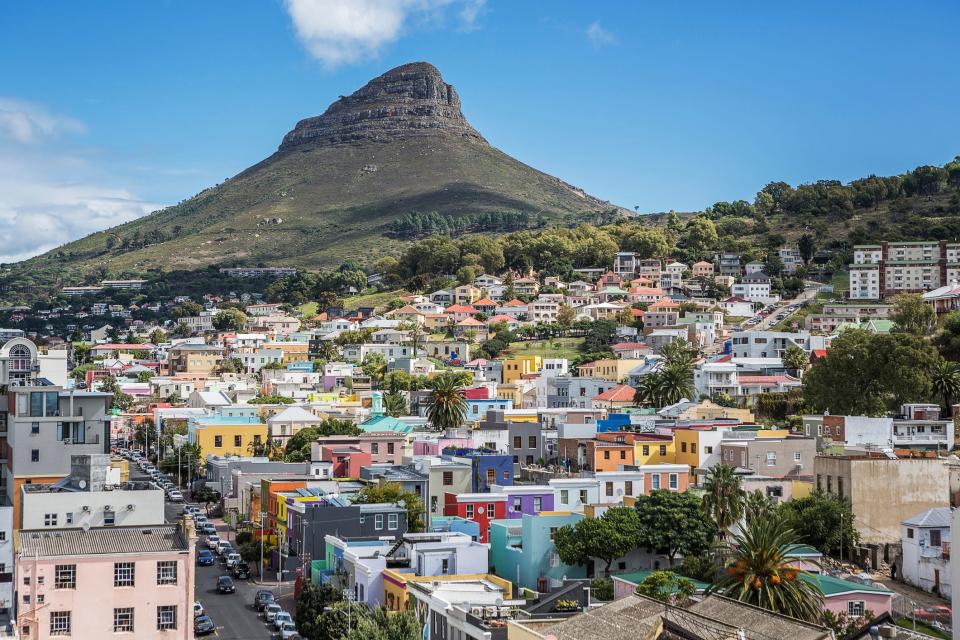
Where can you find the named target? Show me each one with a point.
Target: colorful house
(519, 366)
(479, 507)
(523, 551)
(648, 448)
(526, 499)
(618, 397)
(487, 467)
(593, 454)
(851, 598)
(226, 435)
(347, 460)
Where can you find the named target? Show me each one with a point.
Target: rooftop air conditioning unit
(107, 507)
(476, 611)
(131, 507)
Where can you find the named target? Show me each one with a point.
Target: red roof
(637, 313)
(515, 303)
(619, 393)
(460, 308)
(726, 358)
(480, 393)
(647, 291)
(486, 302)
(501, 318)
(470, 322)
(629, 345)
(820, 353)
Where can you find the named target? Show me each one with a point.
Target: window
(564, 496)
(538, 504)
(516, 459)
(378, 521)
(609, 489)
(26, 598)
(606, 455)
(166, 617)
(65, 576)
(41, 598)
(444, 566)
(517, 442)
(583, 496)
(655, 481)
(628, 487)
(3, 536)
(469, 510)
(491, 510)
(69, 518)
(389, 447)
(393, 521)
(35, 455)
(167, 572)
(123, 619)
(517, 504)
(683, 447)
(238, 441)
(374, 448)
(491, 476)
(796, 456)
(34, 428)
(934, 537)
(623, 455)
(217, 442)
(109, 518)
(506, 475)
(646, 449)
(674, 481)
(708, 450)
(123, 574)
(771, 458)
(909, 535)
(59, 623)
(26, 579)
(855, 608)
(663, 449)
(434, 503)
(49, 519)
(532, 442)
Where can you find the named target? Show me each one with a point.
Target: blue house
(455, 524)
(522, 551)
(477, 409)
(613, 422)
(488, 467)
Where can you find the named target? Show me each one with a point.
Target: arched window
(20, 358)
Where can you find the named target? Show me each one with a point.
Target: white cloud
(600, 37)
(340, 32)
(27, 123)
(51, 194)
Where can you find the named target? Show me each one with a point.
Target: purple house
(526, 499)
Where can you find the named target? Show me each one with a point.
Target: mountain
(330, 192)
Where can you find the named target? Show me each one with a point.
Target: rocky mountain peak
(410, 100)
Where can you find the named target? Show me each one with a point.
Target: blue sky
(111, 109)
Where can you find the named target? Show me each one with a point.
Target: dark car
(225, 585)
(241, 571)
(205, 558)
(263, 598)
(203, 625)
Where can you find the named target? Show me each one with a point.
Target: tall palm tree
(763, 572)
(678, 352)
(646, 391)
(675, 382)
(447, 403)
(394, 404)
(945, 378)
(723, 498)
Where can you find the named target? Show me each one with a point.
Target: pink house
(136, 581)
(383, 447)
(852, 598)
(346, 459)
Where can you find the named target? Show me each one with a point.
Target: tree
(723, 498)
(416, 334)
(911, 314)
(565, 316)
(674, 523)
(392, 493)
(601, 589)
(611, 536)
(867, 374)
(267, 448)
(395, 404)
(763, 572)
(206, 496)
(381, 624)
(795, 359)
(231, 319)
(945, 379)
(375, 366)
(121, 400)
(666, 586)
(158, 336)
(807, 247)
(700, 237)
(447, 403)
(817, 520)
(311, 604)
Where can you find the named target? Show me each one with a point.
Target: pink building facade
(383, 447)
(127, 582)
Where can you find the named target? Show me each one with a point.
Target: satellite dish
(82, 484)
(498, 601)
(86, 526)
(480, 510)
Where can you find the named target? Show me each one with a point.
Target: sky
(110, 110)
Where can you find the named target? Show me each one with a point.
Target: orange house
(595, 455)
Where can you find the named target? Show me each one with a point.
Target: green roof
(835, 586)
(805, 550)
(881, 326)
(637, 577)
(386, 423)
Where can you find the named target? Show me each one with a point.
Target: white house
(925, 540)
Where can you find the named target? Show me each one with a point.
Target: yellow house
(515, 368)
(396, 598)
(653, 451)
(510, 392)
(436, 322)
(292, 351)
(224, 435)
(708, 410)
(612, 369)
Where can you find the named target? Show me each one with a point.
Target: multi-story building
(223, 435)
(919, 426)
(103, 581)
(791, 259)
(625, 263)
(890, 268)
(925, 551)
(754, 287)
(194, 360)
(729, 264)
(786, 456)
(772, 344)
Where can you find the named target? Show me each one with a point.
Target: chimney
(88, 472)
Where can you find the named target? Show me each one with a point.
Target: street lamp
(263, 515)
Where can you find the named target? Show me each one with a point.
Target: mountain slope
(399, 144)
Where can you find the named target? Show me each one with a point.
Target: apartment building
(105, 581)
(889, 268)
(772, 344)
(194, 360)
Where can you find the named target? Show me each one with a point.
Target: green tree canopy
(611, 536)
(674, 524)
(817, 519)
(392, 493)
(911, 314)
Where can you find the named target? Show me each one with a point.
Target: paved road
(809, 292)
(233, 614)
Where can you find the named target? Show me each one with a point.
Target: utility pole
(841, 538)
(260, 568)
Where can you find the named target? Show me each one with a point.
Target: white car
(197, 609)
(288, 630)
(270, 611)
(281, 618)
(221, 545)
(232, 559)
(213, 541)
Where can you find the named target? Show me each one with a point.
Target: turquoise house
(522, 550)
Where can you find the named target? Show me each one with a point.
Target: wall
(148, 508)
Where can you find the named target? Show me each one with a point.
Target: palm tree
(756, 505)
(645, 393)
(763, 572)
(723, 498)
(447, 403)
(675, 382)
(945, 378)
(678, 352)
(394, 404)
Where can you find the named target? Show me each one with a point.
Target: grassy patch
(372, 299)
(567, 348)
(309, 309)
(907, 623)
(840, 282)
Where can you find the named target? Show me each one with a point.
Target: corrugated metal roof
(101, 541)
(936, 517)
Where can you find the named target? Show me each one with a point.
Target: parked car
(203, 626)
(288, 631)
(226, 551)
(225, 585)
(205, 558)
(280, 619)
(175, 496)
(197, 609)
(241, 571)
(937, 613)
(221, 545)
(207, 528)
(271, 610)
(232, 560)
(263, 598)
(213, 541)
